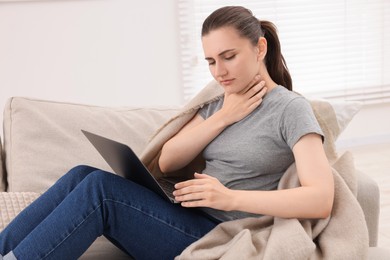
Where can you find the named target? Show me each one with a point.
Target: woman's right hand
(182, 148)
(237, 106)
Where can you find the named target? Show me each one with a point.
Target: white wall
(103, 52)
(112, 52)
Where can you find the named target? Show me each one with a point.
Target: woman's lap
(99, 203)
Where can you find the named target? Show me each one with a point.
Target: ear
(262, 48)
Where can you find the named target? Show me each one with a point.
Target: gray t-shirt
(253, 154)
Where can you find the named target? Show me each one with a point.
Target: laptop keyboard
(167, 186)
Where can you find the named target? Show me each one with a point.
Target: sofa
(42, 140)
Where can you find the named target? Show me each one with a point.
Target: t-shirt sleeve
(203, 112)
(209, 109)
(297, 120)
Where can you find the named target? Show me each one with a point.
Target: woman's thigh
(134, 218)
(144, 224)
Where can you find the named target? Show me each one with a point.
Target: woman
(269, 127)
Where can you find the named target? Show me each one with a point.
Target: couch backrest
(42, 139)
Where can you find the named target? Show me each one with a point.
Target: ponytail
(274, 60)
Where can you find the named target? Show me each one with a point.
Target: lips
(226, 82)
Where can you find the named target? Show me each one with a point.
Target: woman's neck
(269, 83)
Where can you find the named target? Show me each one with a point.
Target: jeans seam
(74, 230)
(131, 206)
(158, 219)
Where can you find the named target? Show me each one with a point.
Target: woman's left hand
(203, 191)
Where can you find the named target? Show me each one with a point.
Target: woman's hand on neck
(269, 83)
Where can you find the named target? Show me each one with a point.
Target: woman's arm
(314, 199)
(182, 148)
(189, 142)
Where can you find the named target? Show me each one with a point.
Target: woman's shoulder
(282, 98)
(282, 92)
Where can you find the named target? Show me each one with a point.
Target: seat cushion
(104, 249)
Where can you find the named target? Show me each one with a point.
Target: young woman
(269, 127)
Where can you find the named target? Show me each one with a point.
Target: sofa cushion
(42, 139)
(102, 248)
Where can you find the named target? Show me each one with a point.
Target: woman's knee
(99, 176)
(79, 172)
(100, 182)
(83, 169)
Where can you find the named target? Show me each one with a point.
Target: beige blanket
(342, 236)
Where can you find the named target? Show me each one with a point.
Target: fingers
(192, 186)
(255, 95)
(202, 176)
(183, 184)
(256, 90)
(190, 196)
(203, 191)
(256, 80)
(189, 193)
(194, 181)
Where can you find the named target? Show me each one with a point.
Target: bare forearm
(184, 147)
(302, 202)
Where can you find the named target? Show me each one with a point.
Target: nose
(220, 69)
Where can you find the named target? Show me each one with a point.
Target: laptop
(124, 162)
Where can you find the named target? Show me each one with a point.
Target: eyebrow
(220, 54)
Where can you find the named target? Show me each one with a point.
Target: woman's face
(233, 60)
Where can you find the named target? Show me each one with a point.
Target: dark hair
(248, 26)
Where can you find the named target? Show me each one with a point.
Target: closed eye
(230, 57)
(227, 55)
(210, 61)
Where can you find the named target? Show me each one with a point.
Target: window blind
(334, 49)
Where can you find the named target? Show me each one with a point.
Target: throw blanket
(344, 235)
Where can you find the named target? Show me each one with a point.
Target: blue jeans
(87, 203)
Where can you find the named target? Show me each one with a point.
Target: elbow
(328, 199)
(166, 162)
(163, 160)
(326, 210)
(325, 205)
(325, 198)
(321, 203)
(163, 164)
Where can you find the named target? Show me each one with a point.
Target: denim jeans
(87, 203)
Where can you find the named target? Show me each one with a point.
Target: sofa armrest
(368, 197)
(11, 203)
(2, 169)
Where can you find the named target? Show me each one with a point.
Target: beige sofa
(42, 141)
